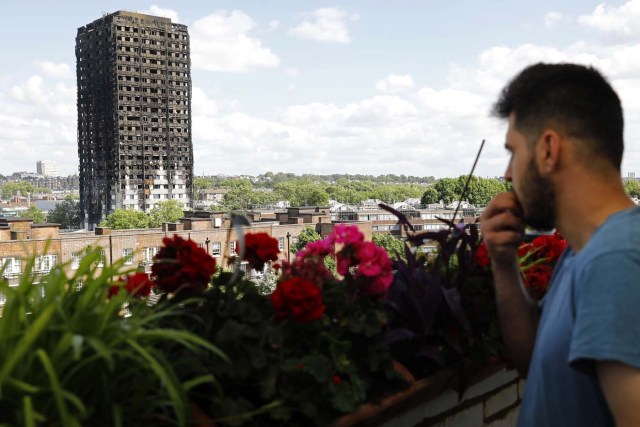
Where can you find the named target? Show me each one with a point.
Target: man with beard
(579, 348)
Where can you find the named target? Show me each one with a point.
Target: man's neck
(583, 207)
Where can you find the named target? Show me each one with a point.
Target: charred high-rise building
(134, 114)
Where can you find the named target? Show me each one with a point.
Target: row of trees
(479, 193)
(165, 211)
(21, 188)
(243, 194)
(67, 214)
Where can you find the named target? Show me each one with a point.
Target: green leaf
(56, 389)
(30, 336)
(184, 337)
(27, 406)
(169, 380)
(23, 386)
(203, 379)
(102, 351)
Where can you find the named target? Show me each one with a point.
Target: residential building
(20, 238)
(134, 114)
(47, 168)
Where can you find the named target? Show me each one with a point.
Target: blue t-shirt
(591, 313)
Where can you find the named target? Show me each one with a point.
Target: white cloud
(395, 83)
(273, 24)
(163, 12)
(553, 19)
(425, 131)
(38, 116)
(221, 42)
(327, 25)
(291, 72)
(58, 71)
(622, 23)
(291, 87)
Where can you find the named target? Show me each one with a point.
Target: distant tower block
(47, 168)
(134, 114)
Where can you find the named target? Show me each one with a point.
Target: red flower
(299, 299)
(260, 248)
(336, 379)
(137, 284)
(482, 256)
(536, 279)
(550, 246)
(181, 264)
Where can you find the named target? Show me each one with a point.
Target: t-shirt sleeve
(607, 311)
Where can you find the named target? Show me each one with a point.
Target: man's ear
(548, 151)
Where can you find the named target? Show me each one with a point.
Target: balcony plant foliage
(70, 356)
(321, 344)
(441, 306)
(303, 355)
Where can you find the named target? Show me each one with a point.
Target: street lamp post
(206, 242)
(288, 247)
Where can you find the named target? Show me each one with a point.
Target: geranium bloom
(181, 264)
(137, 284)
(347, 234)
(298, 299)
(550, 246)
(537, 279)
(260, 248)
(319, 248)
(482, 256)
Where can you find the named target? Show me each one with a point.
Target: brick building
(20, 238)
(134, 114)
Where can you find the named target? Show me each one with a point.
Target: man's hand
(503, 229)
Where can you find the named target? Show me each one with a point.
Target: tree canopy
(11, 189)
(307, 234)
(66, 213)
(166, 211)
(38, 216)
(480, 192)
(393, 245)
(632, 187)
(122, 219)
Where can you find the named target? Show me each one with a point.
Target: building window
(10, 265)
(127, 254)
(232, 248)
(281, 243)
(75, 260)
(216, 248)
(150, 252)
(101, 259)
(45, 262)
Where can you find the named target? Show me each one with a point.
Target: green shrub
(74, 356)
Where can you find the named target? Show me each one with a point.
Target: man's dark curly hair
(573, 99)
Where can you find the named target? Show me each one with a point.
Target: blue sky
(367, 86)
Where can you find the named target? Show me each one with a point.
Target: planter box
(492, 399)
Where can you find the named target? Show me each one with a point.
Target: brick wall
(492, 402)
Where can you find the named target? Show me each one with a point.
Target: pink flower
(373, 259)
(347, 234)
(343, 263)
(319, 248)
